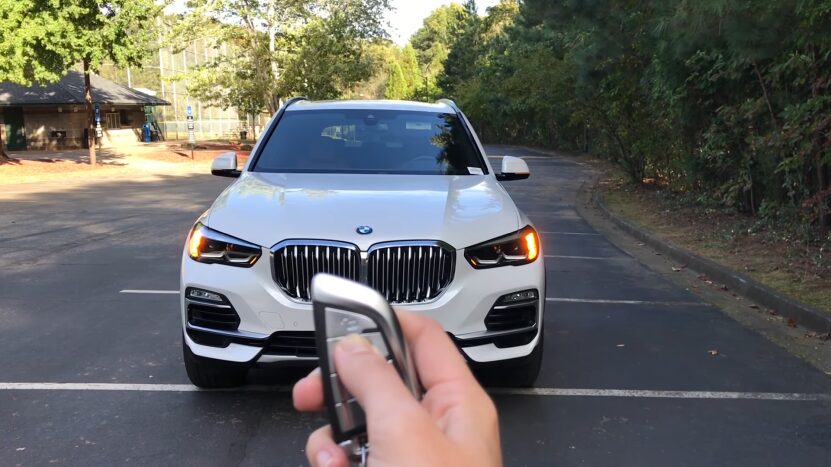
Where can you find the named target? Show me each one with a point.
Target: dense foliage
(729, 102)
(279, 48)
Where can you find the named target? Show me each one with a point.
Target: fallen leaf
(755, 307)
(724, 288)
(677, 269)
(621, 345)
(713, 353)
(791, 323)
(811, 334)
(773, 313)
(20, 449)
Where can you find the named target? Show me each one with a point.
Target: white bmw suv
(397, 195)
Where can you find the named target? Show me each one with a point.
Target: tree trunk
(766, 96)
(90, 114)
(822, 184)
(3, 155)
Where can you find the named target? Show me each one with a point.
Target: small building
(54, 117)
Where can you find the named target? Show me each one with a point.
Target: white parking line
(621, 302)
(151, 292)
(550, 392)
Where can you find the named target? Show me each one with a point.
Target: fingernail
(324, 458)
(354, 343)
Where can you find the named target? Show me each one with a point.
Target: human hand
(454, 424)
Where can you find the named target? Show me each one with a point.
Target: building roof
(70, 91)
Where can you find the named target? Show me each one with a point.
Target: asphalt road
(627, 376)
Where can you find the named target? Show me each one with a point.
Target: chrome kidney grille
(403, 272)
(295, 264)
(410, 272)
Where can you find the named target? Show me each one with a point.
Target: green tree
(728, 101)
(410, 68)
(40, 41)
(396, 83)
(281, 47)
(465, 51)
(433, 41)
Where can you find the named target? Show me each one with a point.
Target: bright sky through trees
(409, 15)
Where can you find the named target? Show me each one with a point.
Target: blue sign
(97, 114)
(190, 111)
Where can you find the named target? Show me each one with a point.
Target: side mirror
(513, 168)
(226, 166)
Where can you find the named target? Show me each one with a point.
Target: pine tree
(396, 83)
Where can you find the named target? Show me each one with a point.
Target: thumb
(373, 381)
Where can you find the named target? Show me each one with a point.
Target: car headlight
(212, 247)
(516, 249)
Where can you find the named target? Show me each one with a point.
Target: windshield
(370, 141)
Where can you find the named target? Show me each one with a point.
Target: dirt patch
(774, 255)
(184, 155)
(127, 161)
(25, 171)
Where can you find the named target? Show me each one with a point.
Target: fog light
(519, 296)
(200, 294)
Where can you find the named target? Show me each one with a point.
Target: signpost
(191, 134)
(99, 133)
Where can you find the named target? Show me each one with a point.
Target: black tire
(518, 373)
(207, 373)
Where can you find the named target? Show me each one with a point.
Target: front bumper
(268, 316)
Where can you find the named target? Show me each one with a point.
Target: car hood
(268, 208)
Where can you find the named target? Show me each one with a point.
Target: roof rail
(294, 100)
(450, 103)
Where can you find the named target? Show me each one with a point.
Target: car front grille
(295, 263)
(403, 272)
(410, 272)
(292, 343)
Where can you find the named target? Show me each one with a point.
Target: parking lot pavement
(93, 376)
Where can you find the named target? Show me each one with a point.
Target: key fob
(341, 308)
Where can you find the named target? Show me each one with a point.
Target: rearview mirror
(513, 168)
(226, 166)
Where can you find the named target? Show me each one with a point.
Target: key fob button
(358, 412)
(331, 343)
(377, 340)
(339, 391)
(351, 415)
(343, 323)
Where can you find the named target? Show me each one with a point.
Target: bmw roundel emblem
(364, 230)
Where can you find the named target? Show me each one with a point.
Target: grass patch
(772, 254)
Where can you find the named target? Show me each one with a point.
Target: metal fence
(206, 129)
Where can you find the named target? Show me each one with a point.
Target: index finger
(437, 358)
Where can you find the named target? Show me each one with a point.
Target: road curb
(804, 315)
